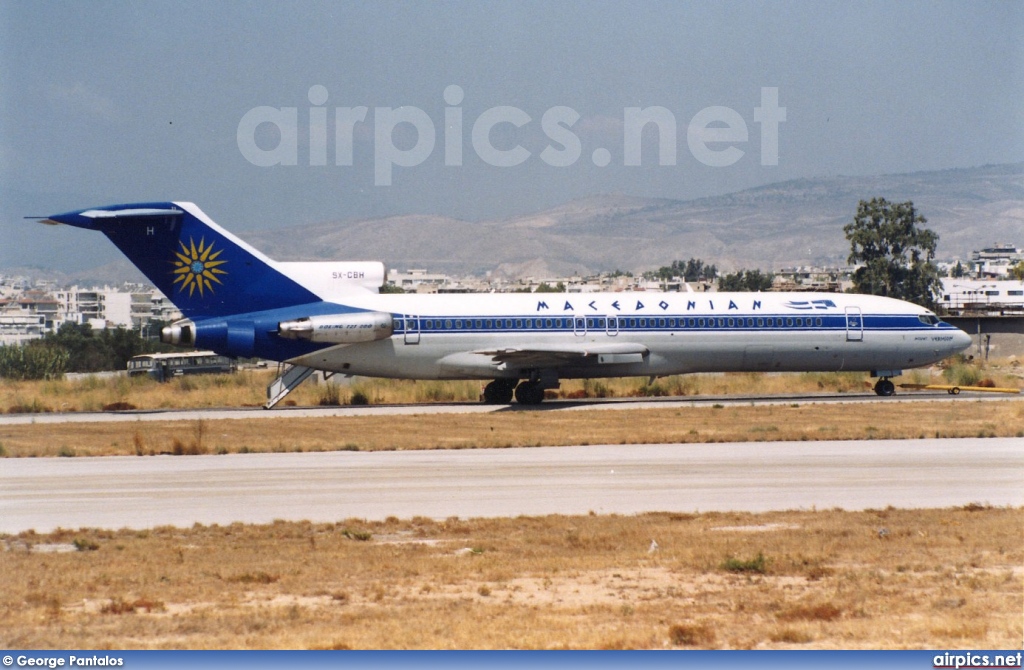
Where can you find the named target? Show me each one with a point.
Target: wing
(549, 356)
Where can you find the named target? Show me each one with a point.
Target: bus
(164, 367)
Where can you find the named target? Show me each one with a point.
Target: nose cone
(961, 341)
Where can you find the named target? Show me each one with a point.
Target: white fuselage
(456, 336)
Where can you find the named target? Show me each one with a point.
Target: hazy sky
(106, 102)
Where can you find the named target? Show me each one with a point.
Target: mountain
(790, 223)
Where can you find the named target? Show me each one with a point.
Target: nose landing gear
(884, 387)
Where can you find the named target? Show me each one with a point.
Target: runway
(144, 492)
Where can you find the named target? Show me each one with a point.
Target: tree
(19, 361)
(91, 351)
(548, 288)
(746, 280)
(1017, 271)
(958, 270)
(894, 252)
(691, 271)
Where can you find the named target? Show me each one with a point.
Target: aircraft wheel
(885, 387)
(529, 393)
(499, 392)
(954, 391)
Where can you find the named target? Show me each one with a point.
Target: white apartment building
(982, 295)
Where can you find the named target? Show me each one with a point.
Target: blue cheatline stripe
(662, 324)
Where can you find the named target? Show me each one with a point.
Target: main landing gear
(530, 393)
(884, 387)
(500, 391)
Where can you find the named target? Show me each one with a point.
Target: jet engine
(339, 328)
(180, 332)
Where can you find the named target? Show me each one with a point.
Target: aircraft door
(412, 329)
(854, 325)
(612, 325)
(579, 326)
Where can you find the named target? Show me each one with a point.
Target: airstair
(292, 376)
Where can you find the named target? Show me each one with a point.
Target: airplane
(330, 316)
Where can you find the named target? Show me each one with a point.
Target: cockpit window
(928, 319)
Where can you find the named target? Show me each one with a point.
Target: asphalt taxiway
(142, 492)
(609, 404)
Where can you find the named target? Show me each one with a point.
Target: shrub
(691, 635)
(962, 374)
(758, 564)
(33, 407)
(121, 606)
(819, 612)
(330, 395)
(359, 535)
(258, 577)
(119, 407)
(596, 389)
(82, 544)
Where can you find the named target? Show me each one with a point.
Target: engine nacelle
(180, 332)
(339, 328)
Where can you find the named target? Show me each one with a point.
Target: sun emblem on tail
(197, 267)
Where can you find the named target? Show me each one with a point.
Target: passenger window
(448, 324)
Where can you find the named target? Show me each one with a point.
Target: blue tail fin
(202, 268)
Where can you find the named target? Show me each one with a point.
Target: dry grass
(945, 578)
(886, 419)
(248, 388)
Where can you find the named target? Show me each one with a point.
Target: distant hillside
(788, 223)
